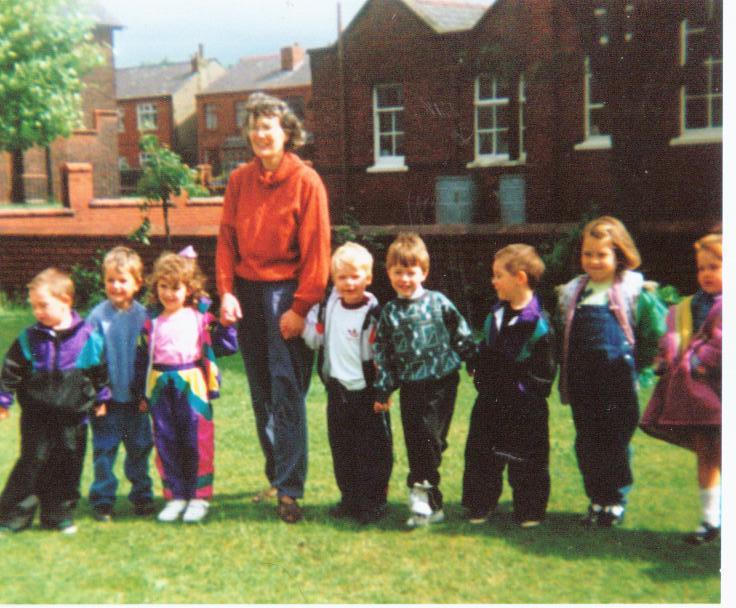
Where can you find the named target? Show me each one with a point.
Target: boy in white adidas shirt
(343, 329)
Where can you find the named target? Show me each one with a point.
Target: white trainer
(418, 521)
(172, 510)
(419, 499)
(196, 510)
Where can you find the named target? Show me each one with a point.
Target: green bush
(88, 284)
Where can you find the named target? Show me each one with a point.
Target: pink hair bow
(188, 252)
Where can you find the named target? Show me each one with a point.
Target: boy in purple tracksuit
(57, 371)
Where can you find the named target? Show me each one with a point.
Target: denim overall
(605, 406)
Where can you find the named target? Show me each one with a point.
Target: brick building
(221, 107)
(160, 100)
(482, 111)
(95, 142)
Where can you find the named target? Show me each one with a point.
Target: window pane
(503, 87)
(596, 121)
(385, 122)
(717, 78)
(485, 118)
(386, 145)
(695, 115)
(485, 143)
(399, 145)
(502, 141)
(398, 121)
(485, 87)
(696, 50)
(502, 116)
(390, 96)
(717, 112)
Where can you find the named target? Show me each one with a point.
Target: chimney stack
(198, 59)
(291, 57)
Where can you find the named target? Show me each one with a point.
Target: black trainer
(611, 516)
(704, 534)
(144, 508)
(591, 517)
(371, 515)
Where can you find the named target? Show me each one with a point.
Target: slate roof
(449, 15)
(152, 80)
(262, 72)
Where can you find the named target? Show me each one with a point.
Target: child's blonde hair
(124, 259)
(713, 243)
(58, 283)
(352, 254)
(177, 270)
(408, 249)
(519, 256)
(613, 230)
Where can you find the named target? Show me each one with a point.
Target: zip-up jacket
(317, 328)
(61, 371)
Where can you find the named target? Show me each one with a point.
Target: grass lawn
(244, 554)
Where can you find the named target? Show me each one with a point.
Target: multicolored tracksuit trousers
(183, 430)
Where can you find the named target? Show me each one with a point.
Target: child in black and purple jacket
(57, 371)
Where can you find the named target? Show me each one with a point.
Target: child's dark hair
(408, 249)
(521, 257)
(177, 270)
(612, 229)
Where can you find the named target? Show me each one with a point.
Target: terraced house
(160, 100)
(221, 106)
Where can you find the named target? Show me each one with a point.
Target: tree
(46, 46)
(164, 174)
(630, 68)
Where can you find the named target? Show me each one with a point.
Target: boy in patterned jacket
(57, 370)
(421, 340)
(513, 373)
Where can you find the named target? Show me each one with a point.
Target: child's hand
(143, 406)
(100, 410)
(4, 413)
(379, 407)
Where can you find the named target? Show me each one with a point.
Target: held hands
(143, 406)
(291, 325)
(100, 410)
(379, 407)
(230, 311)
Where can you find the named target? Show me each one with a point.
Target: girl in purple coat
(685, 408)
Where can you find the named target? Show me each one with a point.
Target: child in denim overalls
(612, 325)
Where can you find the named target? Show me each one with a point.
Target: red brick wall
(388, 43)
(128, 138)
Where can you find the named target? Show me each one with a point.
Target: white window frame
(240, 113)
(498, 158)
(147, 116)
(591, 141)
(711, 133)
(210, 116)
(387, 162)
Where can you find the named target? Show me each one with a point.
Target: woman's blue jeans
(278, 373)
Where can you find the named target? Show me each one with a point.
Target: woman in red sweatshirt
(272, 265)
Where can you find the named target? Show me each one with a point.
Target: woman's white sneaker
(172, 510)
(196, 510)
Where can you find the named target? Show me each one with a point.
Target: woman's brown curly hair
(177, 270)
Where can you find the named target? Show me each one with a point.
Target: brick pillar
(77, 185)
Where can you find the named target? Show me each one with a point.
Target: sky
(156, 30)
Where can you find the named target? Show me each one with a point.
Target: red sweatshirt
(275, 226)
